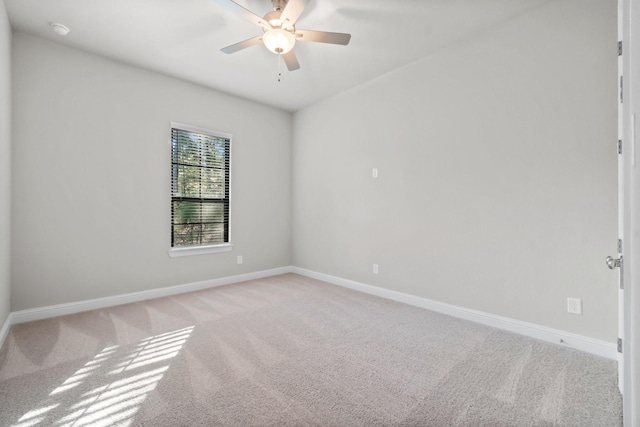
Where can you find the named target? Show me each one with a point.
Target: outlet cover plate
(574, 305)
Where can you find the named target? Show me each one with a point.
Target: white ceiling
(182, 38)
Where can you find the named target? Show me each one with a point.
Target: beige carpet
(292, 351)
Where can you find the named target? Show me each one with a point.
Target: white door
(630, 311)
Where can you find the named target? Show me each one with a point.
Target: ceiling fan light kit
(279, 41)
(280, 34)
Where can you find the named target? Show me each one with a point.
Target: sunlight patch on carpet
(110, 388)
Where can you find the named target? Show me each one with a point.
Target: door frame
(621, 191)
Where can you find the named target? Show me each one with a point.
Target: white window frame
(205, 249)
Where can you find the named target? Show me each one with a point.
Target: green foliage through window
(199, 188)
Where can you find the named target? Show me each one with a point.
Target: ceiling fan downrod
(279, 5)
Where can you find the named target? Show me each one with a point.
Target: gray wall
(497, 164)
(91, 177)
(5, 162)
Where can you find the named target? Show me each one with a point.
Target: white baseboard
(79, 306)
(4, 331)
(579, 342)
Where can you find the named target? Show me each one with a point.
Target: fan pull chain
(279, 67)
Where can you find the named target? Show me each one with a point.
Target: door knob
(613, 262)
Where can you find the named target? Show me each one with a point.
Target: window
(200, 161)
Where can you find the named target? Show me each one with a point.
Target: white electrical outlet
(375, 268)
(574, 305)
(374, 173)
(239, 259)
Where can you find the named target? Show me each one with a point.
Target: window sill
(199, 250)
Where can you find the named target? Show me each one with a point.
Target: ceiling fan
(280, 34)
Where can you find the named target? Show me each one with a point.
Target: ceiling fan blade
(291, 61)
(322, 37)
(246, 13)
(291, 12)
(242, 45)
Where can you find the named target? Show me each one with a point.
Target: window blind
(199, 188)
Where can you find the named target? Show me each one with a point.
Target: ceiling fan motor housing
(273, 18)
